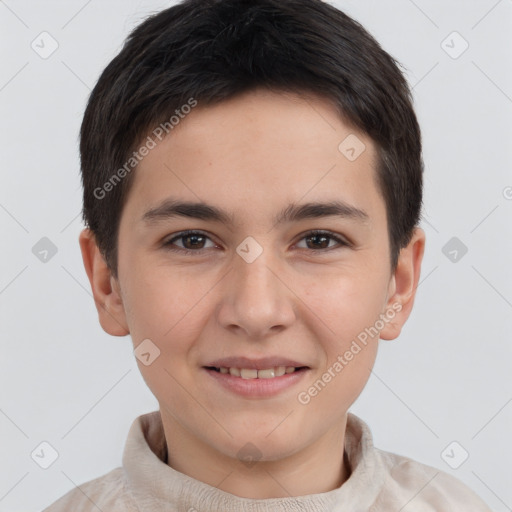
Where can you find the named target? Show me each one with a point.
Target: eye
(192, 241)
(196, 241)
(317, 239)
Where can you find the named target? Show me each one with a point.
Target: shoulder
(424, 488)
(107, 492)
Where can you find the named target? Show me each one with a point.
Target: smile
(254, 383)
(252, 373)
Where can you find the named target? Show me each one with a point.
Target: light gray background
(447, 378)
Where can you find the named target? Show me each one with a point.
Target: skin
(252, 156)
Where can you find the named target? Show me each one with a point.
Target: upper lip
(256, 364)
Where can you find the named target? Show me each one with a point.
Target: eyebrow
(171, 208)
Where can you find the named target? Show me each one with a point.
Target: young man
(252, 180)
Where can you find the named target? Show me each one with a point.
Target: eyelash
(168, 245)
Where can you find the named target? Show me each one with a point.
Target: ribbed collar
(156, 487)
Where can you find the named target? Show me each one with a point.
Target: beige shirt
(379, 481)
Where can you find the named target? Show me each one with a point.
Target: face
(286, 257)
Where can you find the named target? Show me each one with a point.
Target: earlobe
(404, 283)
(105, 288)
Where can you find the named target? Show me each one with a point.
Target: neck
(318, 467)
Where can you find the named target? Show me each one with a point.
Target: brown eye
(188, 241)
(318, 241)
(323, 240)
(193, 241)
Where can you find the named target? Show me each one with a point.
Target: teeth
(248, 374)
(251, 373)
(281, 370)
(266, 374)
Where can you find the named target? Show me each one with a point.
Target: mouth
(255, 378)
(254, 373)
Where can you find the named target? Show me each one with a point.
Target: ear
(105, 288)
(403, 285)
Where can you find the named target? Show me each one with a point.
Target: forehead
(259, 149)
(286, 125)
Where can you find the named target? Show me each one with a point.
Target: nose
(256, 300)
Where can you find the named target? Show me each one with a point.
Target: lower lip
(257, 388)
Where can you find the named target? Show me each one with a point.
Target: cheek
(171, 317)
(350, 309)
(347, 301)
(159, 301)
(170, 310)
